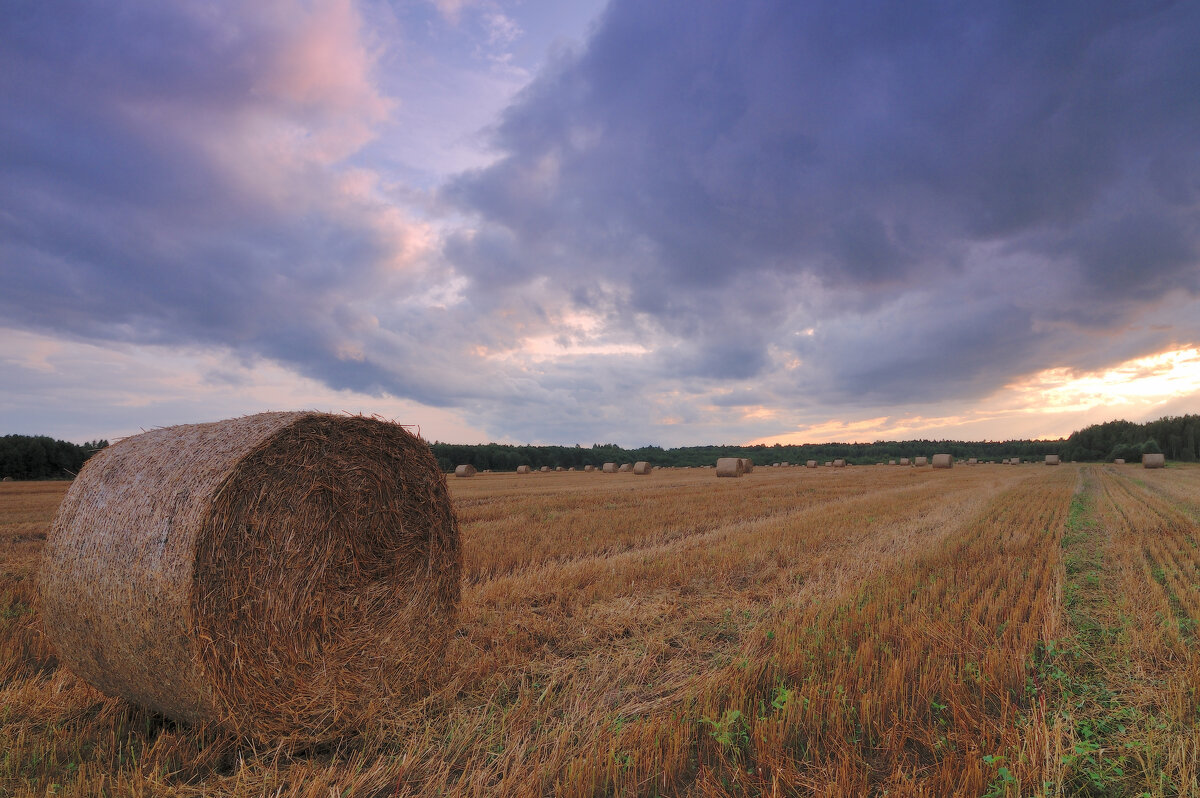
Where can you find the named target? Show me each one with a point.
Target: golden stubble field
(989, 630)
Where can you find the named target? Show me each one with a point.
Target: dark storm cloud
(712, 157)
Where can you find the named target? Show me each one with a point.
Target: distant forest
(1178, 437)
(40, 457)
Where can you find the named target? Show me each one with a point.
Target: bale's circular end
(289, 575)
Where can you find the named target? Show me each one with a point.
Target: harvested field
(850, 632)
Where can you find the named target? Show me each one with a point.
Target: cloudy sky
(634, 222)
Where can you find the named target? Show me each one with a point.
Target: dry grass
(800, 633)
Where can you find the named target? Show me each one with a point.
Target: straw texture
(1154, 461)
(641, 468)
(467, 470)
(943, 461)
(523, 469)
(920, 461)
(625, 468)
(730, 467)
(610, 468)
(284, 574)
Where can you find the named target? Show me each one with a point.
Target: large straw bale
(839, 463)
(610, 468)
(544, 469)
(523, 469)
(920, 461)
(747, 465)
(1119, 461)
(288, 575)
(811, 464)
(730, 467)
(943, 461)
(467, 470)
(589, 468)
(625, 468)
(1052, 459)
(1154, 460)
(559, 468)
(972, 461)
(642, 468)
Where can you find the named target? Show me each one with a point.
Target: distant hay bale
(839, 463)
(828, 463)
(904, 461)
(920, 461)
(6, 479)
(1052, 459)
(625, 468)
(572, 468)
(464, 471)
(642, 468)
(811, 464)
(1119, 461)
(544, 469)
(560, 468)
(972, 461)
(891, 462)
(943, 461)
(747, 465)
(287, 575)
(1154, 461)
(523, 469)
(730, 467)
(610, 468)
(589, 468)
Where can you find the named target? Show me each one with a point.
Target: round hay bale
(287, 575)
(1052, 459)
(572, 468)
(891, 462)
(972, 461)
(560, 468)
(839, 463)
(625, 468)
(811, 464)
(920, 461)
(1119, 461)
(943, 461)
(524, 469)
(609, 468)
(729, 467)
(903, 461)
(1155, 460)
(467, 470)
(642, 468)
(589, 468)
(544, 469)
(747, 465)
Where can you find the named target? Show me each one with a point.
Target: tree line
(42, 457)
(1177, 437)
